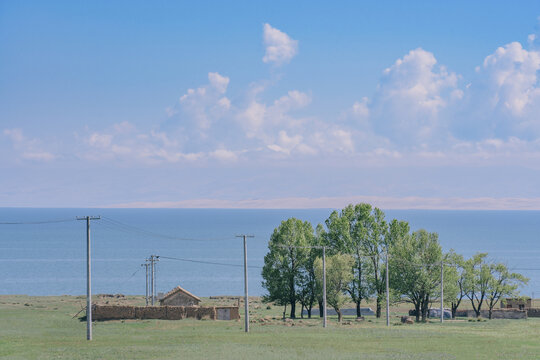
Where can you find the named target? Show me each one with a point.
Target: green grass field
(43, 328)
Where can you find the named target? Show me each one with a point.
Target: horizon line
(388, 203)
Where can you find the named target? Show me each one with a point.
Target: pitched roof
(179, 289)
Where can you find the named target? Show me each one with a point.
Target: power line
(131, 277)
(208, 262)
(134, 229)
(36, 222)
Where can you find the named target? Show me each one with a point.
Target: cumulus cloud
(218, 81)
(206, 104)
(409, 100)
(360, 109)
(285, 144)
(512, 73)
(257, 119)
(334, 140)
(224, 155)
(280, 47)
(506, 94)
(28, 149)
(147, 147)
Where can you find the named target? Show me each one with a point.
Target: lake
(50, 258)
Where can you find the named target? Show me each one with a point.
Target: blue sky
(270, 104)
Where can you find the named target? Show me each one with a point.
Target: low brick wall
(497, 314)
(113, 312)
(118, 312)
(507, 314)
(533, 312)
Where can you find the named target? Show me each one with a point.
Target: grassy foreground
(43, 328)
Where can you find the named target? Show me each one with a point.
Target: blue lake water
(50, 259)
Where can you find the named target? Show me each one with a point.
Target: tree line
(359, 241)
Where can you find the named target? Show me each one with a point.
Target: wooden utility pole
(324, 284)
(153, 259)
(146, 270)
(442, 291)
(246, 301)
(88, 277)
(387, 293)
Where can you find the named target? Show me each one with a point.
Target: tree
(320, 240)
(454, 280)
(284, 264)
(307, 283)
(347, 232)
(338, 276)
(502, 283)
(375, 247)
(477, 280)
(415, 269)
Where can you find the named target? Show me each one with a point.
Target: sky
(278, 104)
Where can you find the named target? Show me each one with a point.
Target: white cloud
(16, 135)
(280, 48)
(38, 156)
(360, 109)
(100, 140)
(29, 149)
(252, 118)
(508, 92)
(206, 104)
(410, 97)
(333, 140)
(218, 81)
(285, 143)
(223, 155)
(293, 100)
(260, 120)
(152, 147)
(512, 73)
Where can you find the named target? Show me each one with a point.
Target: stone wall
(118, 312)
(533, 312)
(497, 314)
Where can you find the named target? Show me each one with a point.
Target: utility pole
(246, 300)
(146, 268)
(88, 277)
(324, 284)
(387, 293)
(442, 291)
(153, 259)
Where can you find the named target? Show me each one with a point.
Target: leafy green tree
(477, 281)
(415, 269)
(502, 283)
(285, 263)
(307, 293)
(338, 276)
(375, 248)
(347, 232)
(320, 239)
(454, 280)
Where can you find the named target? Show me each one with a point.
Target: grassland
(44, 328)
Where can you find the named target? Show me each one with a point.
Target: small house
(516, 303)
(179, 297)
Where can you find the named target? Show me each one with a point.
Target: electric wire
(208, 262)
(36, 222)
(134, 229)
(131, 277)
